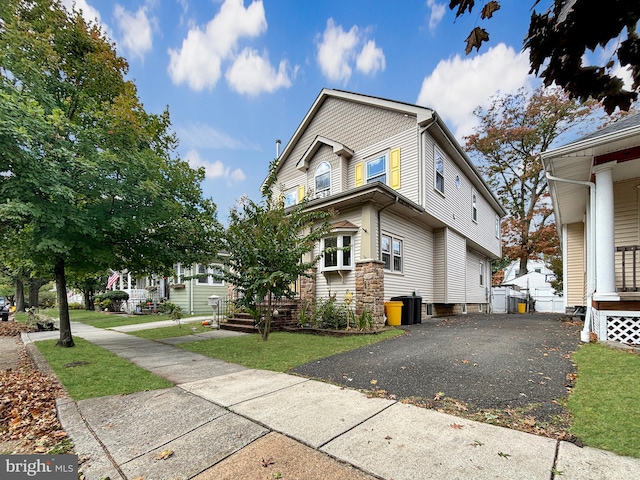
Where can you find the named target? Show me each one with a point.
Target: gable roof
(425, 118)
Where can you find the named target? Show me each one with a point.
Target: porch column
(604, 234)
(128, 281)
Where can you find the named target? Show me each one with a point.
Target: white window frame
(438, 158)
(290, 197)
(341, 253)
(208, 280)
(391, 253)
(325, 192)
(376, 178)
(498, 226)
(179, 273)
(474, 205)
(481, 273)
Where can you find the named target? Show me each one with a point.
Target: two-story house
(414, 215)
(594, 184)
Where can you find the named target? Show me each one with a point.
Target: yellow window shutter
(300, 193)
(359, 174)
(394, 168)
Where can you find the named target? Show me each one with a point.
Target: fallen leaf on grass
(164, 455)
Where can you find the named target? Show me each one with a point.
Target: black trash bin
(4, 315)
(408, 314)
(417, 309)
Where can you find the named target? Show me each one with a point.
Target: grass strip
(99, 319)
(89, 371)
(170, 332)
(282, 351)
(604, 402)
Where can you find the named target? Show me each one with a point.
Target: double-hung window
(497, 226)
(291, 198)
(323, 180)
(209, 275)
(481, 273)
(337, 254)
(179, 273)
(391, 249)
(439, 170)
(376, 169)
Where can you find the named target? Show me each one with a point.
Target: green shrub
(76, 306)
(111, 300)
(47, 299)
(329, 314)
(174, 311)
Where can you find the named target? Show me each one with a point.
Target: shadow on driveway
(487, 361)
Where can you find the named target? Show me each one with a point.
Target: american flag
(112, 279)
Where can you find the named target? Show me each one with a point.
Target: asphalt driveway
(487, 361)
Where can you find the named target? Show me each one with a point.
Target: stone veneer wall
(308, 287)
(370, 289)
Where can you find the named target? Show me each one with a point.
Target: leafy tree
(89, 177)
(266, 243)
(512, 133)
(558, 39)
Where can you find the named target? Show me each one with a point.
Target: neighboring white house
(533, 285)
(595, 187)
(414, 214)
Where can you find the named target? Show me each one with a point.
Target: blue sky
(239, 74)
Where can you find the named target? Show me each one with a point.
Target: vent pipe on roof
(278, 148)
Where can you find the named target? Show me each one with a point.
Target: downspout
(591, 274)
(379, 228)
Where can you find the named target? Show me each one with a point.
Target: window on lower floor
(481, 273)
(337, 253)
(391, 249)
(209, 275)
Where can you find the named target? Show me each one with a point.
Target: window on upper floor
(497, 226)
(474, 206)
(337, 253)
(376, 169)
(209, 275)
(291, 197)
(323, 180)
(439, 170)
(391, 249)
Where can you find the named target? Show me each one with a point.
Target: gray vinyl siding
(476, 293)
(626, 225)
(456, 267)
(417, 259)
(352, 124)
(439, 266)
(454, 207)
(332, 282)
(193, 298)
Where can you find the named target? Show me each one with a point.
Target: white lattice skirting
(623, 327)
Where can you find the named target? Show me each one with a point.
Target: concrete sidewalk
(218, 411)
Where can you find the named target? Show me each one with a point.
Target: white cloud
(336, 51)
(215, 169)
(437, 13)
(457, 86)
(252, 74)
(200, 135)
(137, 37)
(371, 59)
(197, 62)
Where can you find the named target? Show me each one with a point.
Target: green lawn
(99, 319)
(88, 371)
(283, 350)
(169, 332)
(605, 402)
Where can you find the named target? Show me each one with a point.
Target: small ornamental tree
(266, 243)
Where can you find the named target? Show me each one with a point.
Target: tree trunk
(88, 299)
(34, 290)
(19, 295)
(267, 320)
(66, 340)
(523, 266)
